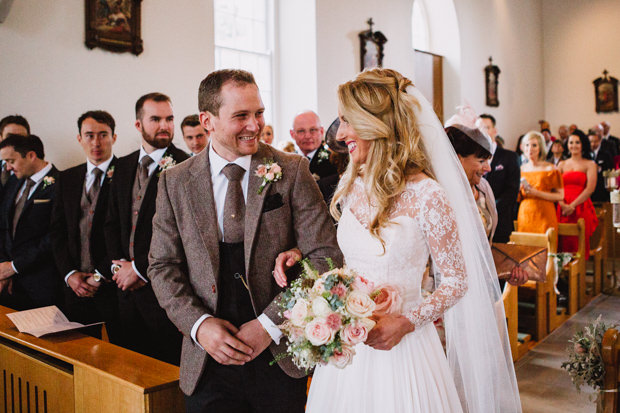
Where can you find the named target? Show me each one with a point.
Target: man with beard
(145, 326)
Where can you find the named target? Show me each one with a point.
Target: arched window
(419, 27)
(244, 40)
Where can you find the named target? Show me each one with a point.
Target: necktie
(234, 205)
(96, 185)
(143, 171)
(19, 206)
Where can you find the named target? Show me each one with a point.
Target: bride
(403, 198)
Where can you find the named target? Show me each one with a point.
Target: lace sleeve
(436, 220)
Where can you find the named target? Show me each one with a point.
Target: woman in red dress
(579, 176)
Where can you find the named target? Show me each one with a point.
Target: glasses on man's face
(311, 131)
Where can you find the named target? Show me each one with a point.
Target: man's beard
(157, 142)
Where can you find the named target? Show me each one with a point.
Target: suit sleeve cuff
(67, 277)
(133, 265)
(271, 328)
(195, 329)
(14, 269)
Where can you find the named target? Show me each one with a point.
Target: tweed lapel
(254, 203)
(199, 193)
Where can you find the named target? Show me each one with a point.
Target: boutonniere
(166, 162)
(48, 181)
(110, 172)
(323, 154)
(270, 172)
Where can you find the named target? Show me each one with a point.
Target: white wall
(338, 46)
(49, 76)
(511, 32)
(581, 38)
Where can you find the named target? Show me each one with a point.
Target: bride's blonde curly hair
(380, 110)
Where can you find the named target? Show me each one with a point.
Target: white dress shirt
(89, 180)
(37, 178)
(219, 183)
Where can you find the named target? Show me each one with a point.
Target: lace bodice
(421, 223)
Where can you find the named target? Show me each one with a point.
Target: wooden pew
(611, 359)
(578, 300)
(540, 290)
(598, 255)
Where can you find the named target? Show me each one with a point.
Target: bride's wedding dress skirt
(411, 377)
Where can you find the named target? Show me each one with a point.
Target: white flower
(360, 304)
(299, 312)
(320, 307)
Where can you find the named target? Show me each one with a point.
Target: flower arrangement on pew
(328, 314)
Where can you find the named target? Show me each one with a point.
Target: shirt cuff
(67, 277)
(195, 329)
(271, 328)
(14, 269)
(133, 265)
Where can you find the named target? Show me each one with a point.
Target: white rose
(318, 332)
(299, 313)
(360, 304)
(320, 307)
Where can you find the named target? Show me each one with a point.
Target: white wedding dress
(413, 376)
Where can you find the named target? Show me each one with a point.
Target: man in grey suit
(216, 236)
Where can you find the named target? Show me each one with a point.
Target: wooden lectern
(72, 372)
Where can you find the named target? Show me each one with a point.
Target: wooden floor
(544, 386)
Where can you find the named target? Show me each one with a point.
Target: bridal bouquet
(328, 314)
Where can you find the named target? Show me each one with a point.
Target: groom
(216, 236)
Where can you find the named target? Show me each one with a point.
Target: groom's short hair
(209, 92)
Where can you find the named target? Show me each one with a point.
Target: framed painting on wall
(371, 47)
(491, 76)
(114, 25)
(606, 93)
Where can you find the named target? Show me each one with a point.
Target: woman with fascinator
(404, 198)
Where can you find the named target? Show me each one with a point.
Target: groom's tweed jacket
(184, 255)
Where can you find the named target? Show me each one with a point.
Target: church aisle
(544, 386)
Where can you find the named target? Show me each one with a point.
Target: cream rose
(299, 312)
(355, 333)
(342, 358)
(318, 332)
(320, 307)
(360, 304)
(388, 300)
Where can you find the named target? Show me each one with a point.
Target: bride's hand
(388, 331)
(284, 261)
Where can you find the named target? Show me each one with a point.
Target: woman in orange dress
(541, 187)
(579, 176)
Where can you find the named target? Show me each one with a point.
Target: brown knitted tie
(143, 170)
(234, 205)
(19, 206)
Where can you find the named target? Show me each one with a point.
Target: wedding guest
(308, 133)
(266, 135)
(195, 136)
(287, 146)
(521, 150)
(604, 162)
(28, 276)
(556, 154)
(77, 225)
(548, 139)
(579, 176)
(572, 128)
(541, 188)
(607, 145)
(563, 134)
(606, 136)
(129, 226)
(504, 180)
(16, 125)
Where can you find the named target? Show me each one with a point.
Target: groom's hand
(254, 335)
(217, 337)
(284, 261)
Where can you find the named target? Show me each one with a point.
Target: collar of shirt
(90, 167)
(607, 136)
(219, 182)
(156, 156)
(311, 154)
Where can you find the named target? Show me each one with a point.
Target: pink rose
(355, 333)
(318, 332)
(334, 321)
(269, 176)
(275, 168)
(364, 285)
(261, 170)
(342, 358)
(388, 300)
(360, 304)
(339, 289)
(287, 314)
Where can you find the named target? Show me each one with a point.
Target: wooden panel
(168, 400)
(98, 393)
(32, 385)
(429, 79)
